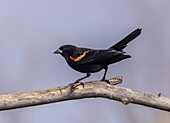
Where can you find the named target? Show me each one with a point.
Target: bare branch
(91, 89)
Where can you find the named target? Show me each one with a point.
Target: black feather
(123, 43)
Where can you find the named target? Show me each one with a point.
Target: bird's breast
(86, 68)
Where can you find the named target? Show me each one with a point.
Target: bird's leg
(106, 68)
(87, 75)
(103, 79)
(78, 81)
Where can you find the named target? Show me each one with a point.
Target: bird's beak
(58, 51)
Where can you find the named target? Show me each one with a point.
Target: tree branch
(90, 90)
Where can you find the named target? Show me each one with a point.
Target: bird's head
(65, 50)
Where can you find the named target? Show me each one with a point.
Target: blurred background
(30, 31)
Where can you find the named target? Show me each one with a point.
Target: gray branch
(90, 90)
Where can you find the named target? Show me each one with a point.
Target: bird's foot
(105, 80)
(75, 84)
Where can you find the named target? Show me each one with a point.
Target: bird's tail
(123, 43)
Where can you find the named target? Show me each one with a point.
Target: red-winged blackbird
(88, 61)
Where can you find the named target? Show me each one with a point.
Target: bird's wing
(89, 56)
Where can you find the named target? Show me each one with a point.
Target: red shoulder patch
(72, 58)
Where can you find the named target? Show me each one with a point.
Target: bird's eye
(61, 48)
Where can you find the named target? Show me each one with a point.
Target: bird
(87, 60)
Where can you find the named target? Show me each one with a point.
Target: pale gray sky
(30, 31)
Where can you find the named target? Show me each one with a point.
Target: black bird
(89, 61)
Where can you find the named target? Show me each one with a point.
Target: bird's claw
(75, 84)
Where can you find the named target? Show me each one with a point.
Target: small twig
(90, 90)
(159, 95)
(116, 80)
